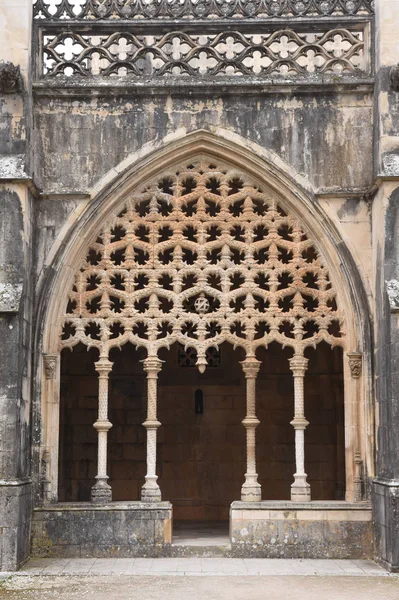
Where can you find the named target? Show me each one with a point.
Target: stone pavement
(200, 579)
(201, 567)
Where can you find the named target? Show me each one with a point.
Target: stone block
(132, 530)
(318, 533)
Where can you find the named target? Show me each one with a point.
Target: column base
(150, 492)
(101, 492)
(251, 492)
(300, 489)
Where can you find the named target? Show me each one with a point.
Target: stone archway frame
(293, 192)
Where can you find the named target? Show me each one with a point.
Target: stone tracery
(202, 256)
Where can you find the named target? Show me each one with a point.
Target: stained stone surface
(88, 531)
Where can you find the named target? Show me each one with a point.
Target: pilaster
(16, 218)
(386, 272)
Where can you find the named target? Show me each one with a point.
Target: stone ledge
(15, 482)
(103, 86)
(314, 505)
(112, 506)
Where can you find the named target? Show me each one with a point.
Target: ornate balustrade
(180, 42)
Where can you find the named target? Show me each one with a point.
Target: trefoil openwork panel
(284, 52)
(202, 256)
(196, 9)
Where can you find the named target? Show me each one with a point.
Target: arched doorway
(196, 252)
(201, 256)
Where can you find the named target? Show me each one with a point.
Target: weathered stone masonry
(176, 177)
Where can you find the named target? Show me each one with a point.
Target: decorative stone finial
(50, 365)
(10, 78)
(355, 364)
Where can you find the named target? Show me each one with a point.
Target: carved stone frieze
(197, 9)
(202, 231)
(227, 53)
(10, 78)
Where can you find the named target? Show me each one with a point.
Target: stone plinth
(386, 523)
(301, 530)
(115, 530)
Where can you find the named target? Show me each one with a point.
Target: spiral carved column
(251, 489)
(300, 489)
(101, 492)
(150, 491)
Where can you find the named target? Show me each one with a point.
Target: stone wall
(79, 140)
(291, 530)
(84, 531)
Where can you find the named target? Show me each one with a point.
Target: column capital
(103, 365)
(50, 365)
(152, 364)
(251, 367)
(299, 365)
(355, 363)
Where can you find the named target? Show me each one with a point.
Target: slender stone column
(150, 491)
(251, 489)
(101, 492)
(300, 489)
(355, 365)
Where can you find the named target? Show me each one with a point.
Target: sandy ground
(199, 588)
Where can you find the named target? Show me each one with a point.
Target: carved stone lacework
(202, 256)
(196, 9)
(229, 53)
(187, 357)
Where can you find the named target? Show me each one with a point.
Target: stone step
(200, 551)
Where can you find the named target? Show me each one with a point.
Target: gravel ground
(199, 588)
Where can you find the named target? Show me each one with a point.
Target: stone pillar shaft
(101, 492)
(300, 489)
(251, 489)
(150, 491)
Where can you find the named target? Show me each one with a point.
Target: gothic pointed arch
(199, 240)
(201, 255)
